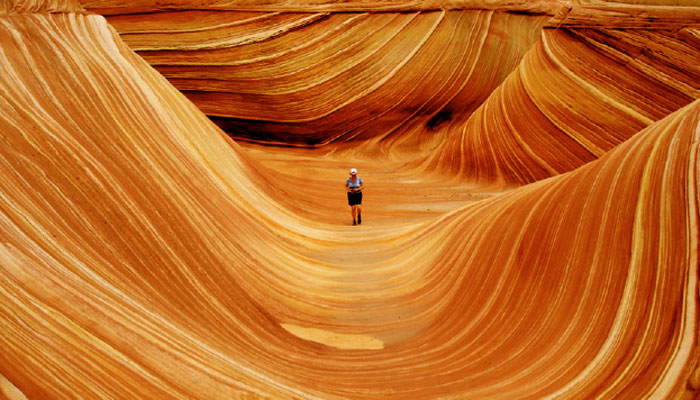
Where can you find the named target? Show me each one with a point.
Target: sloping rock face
(314, 78)
(578, 93)
(26, 6)
(348, 72)
(146, 254)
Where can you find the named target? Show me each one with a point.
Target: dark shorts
(354, 198)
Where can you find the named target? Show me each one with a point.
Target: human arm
(357, 189)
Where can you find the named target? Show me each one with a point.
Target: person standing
(354, 187)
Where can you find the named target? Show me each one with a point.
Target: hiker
(354, 187)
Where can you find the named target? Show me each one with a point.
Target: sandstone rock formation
(578, 93)
(309, 79)
(145, 254)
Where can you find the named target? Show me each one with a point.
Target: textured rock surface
(144, 254)
(577, 94)
(308, 78)
(299, 78)
(31, 6)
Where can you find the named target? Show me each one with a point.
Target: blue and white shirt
(355, 184)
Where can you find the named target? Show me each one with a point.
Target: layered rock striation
(315, 78)
(145, 254)
(578, 93)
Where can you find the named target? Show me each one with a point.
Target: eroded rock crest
(532, 203)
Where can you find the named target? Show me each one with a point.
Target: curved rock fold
(540, 200)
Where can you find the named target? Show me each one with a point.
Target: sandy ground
(395, 201)
(392, 195)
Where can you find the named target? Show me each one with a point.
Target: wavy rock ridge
(310, 79)
(577, 94)
(414, 77)
(144, 254)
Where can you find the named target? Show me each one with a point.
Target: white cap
(353, 171)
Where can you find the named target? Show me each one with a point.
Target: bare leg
(353, 211)
(359, 213)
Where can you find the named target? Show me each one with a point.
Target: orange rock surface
(315, 78)
(531, 213)
(577, 94)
